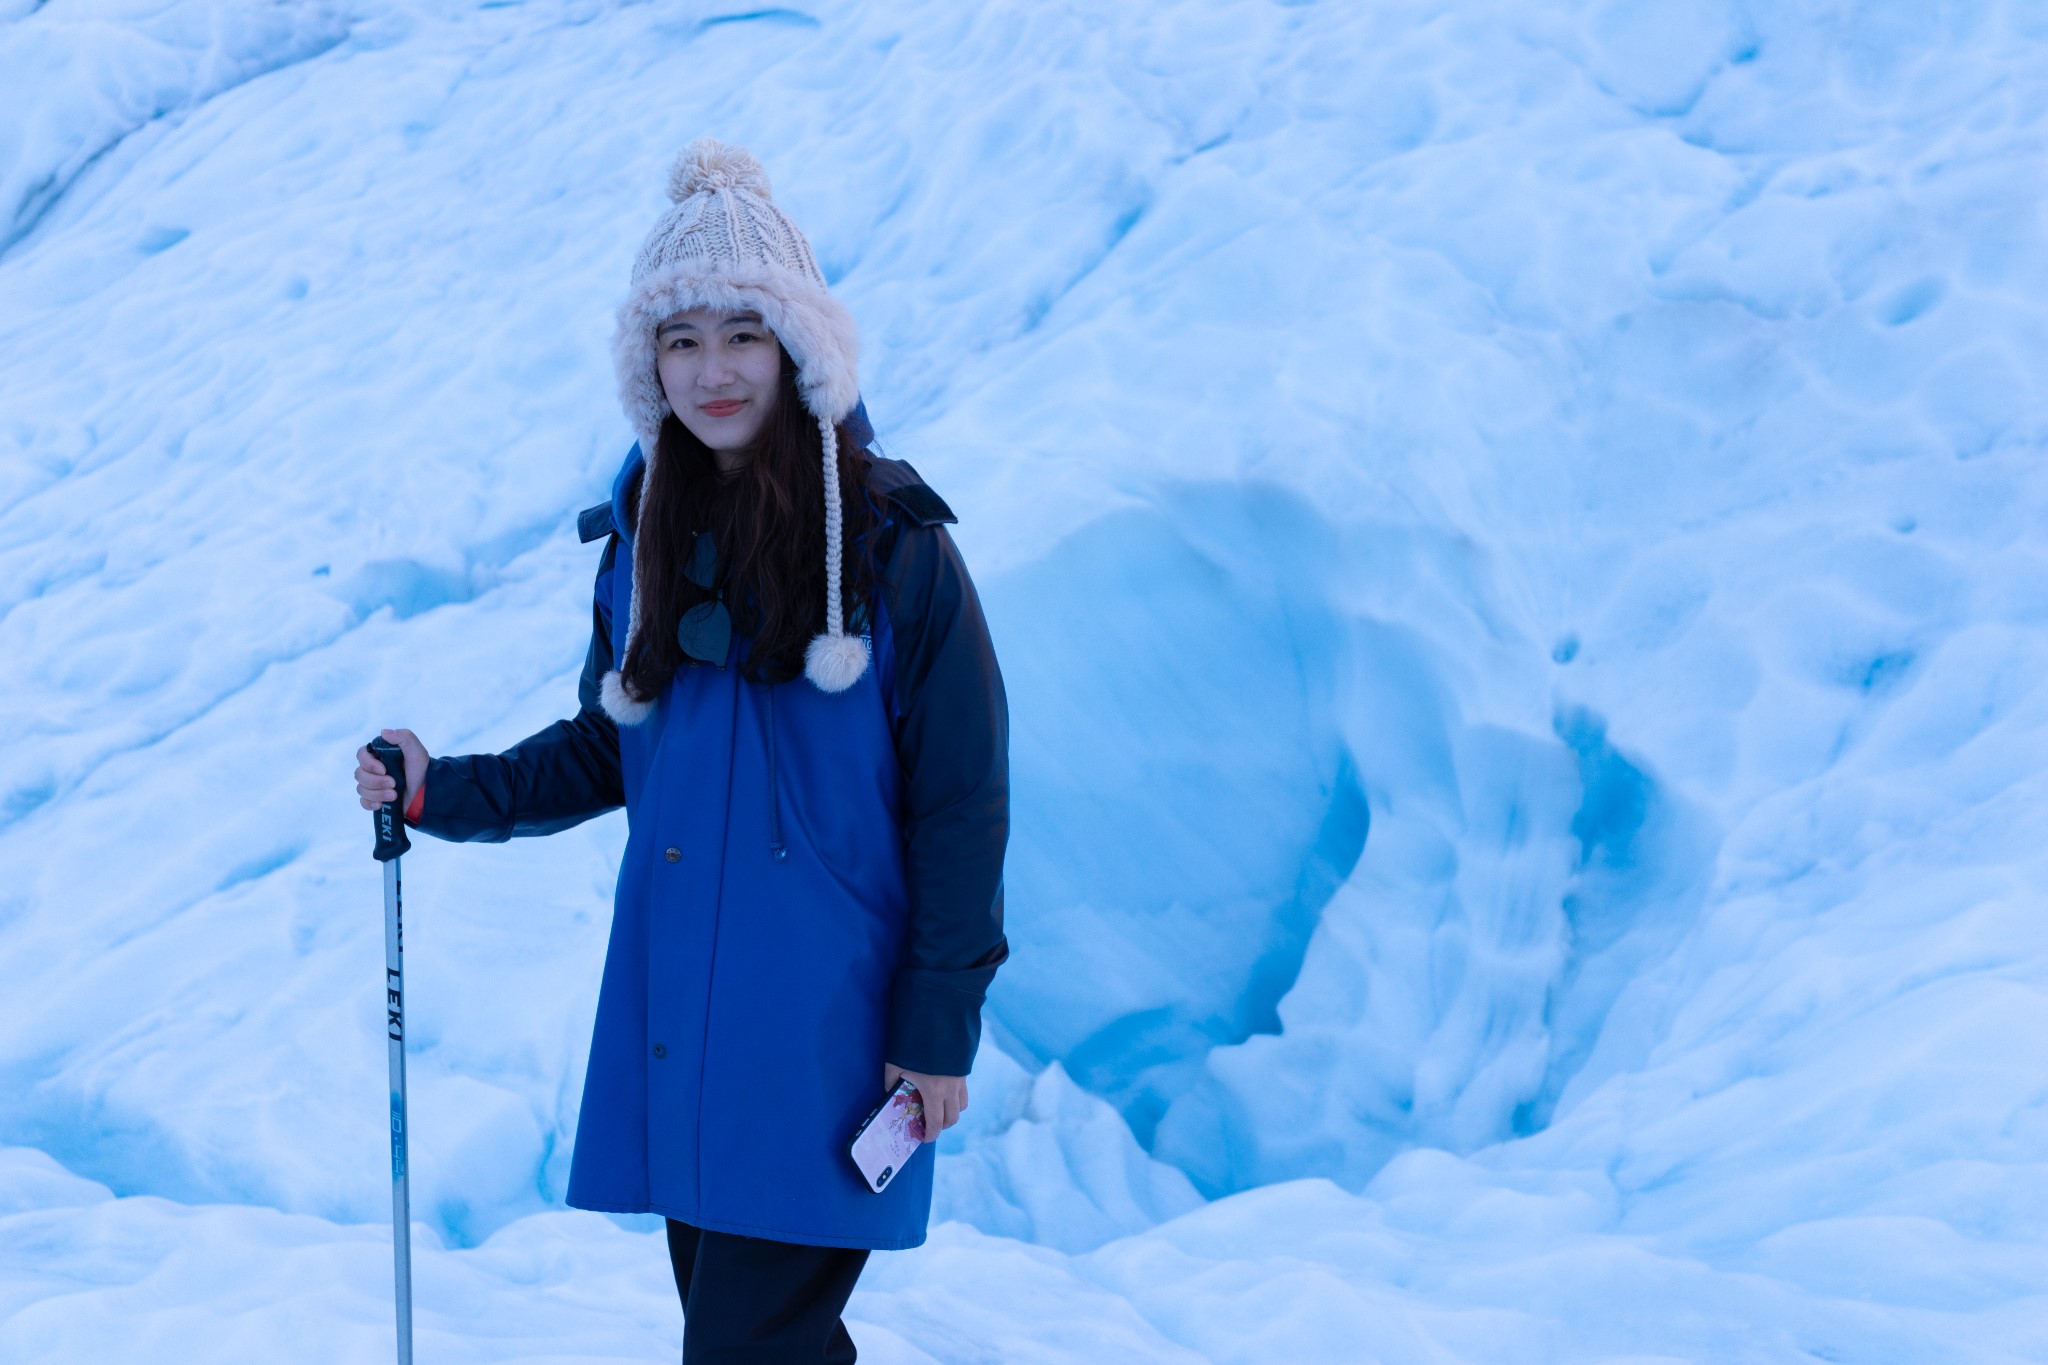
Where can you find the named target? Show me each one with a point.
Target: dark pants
(750, 1301)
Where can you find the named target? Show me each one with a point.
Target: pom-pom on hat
(724, 245)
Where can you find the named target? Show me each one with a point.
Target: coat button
(674, 855)
(660, 1051)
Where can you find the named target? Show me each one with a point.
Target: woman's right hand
(374, 786)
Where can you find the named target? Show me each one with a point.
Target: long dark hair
(767, 523)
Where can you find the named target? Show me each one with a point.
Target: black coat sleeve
(547, 782)
(952, 742)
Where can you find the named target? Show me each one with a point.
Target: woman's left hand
(944, 1097)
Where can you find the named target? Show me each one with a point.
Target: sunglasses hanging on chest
(705, 632)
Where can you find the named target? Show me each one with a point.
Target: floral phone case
(889, 1136)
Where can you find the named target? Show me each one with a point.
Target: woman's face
(721, 372)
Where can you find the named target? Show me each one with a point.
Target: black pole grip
(389, 818)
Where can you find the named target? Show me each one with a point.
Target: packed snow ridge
(1515, 533)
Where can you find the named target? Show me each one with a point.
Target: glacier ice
(1515, 531)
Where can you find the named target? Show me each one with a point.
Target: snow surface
(1514, 530)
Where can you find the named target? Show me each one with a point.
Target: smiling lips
(724, 407)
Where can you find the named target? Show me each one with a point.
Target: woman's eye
(681, 343)
(741, 338)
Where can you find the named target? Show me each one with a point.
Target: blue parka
(812, 886)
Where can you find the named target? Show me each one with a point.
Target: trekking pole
(391, 842)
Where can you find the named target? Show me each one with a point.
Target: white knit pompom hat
(726, 246)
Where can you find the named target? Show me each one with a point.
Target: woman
(791, 690)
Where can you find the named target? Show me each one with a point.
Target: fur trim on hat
(812, 326)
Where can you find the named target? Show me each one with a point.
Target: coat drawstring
(774, 803)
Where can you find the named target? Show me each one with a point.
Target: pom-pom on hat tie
(723, 244)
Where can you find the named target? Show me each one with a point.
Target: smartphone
(890, 1136)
